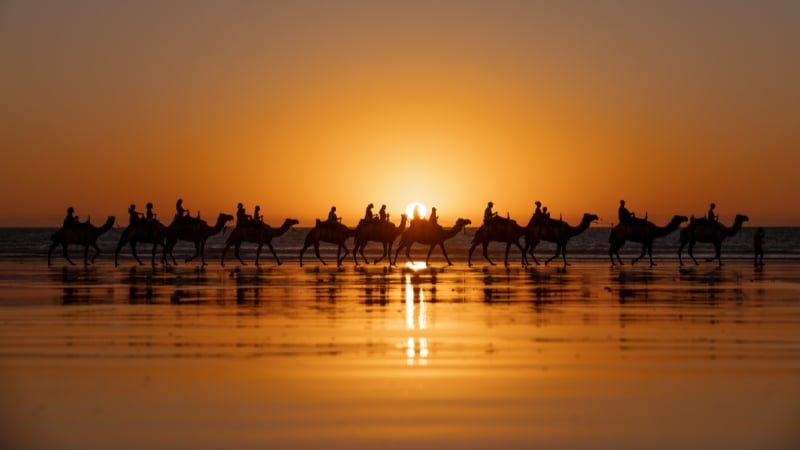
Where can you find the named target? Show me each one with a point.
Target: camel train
(146, 229)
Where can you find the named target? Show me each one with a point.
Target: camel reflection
(417, 350)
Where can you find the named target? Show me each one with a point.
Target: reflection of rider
(382, 214)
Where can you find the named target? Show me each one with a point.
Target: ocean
(781, 243)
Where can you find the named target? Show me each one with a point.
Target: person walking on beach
(758, 247)
(712, 216)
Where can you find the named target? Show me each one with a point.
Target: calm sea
(783, 244)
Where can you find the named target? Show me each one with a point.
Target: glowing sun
(423, 211)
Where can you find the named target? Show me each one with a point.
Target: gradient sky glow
(298, 106)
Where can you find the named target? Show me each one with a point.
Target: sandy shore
(447, 357)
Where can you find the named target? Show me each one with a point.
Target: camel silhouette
(552, 230)
(332, 233)
(430, 234)
(713, 232)
(381, 231)
(257, 233)
(148, 232)
(500, 230)
(193, 230)
(643, 231)
(84, 234)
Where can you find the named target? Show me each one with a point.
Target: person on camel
(382, 216)
(368, 216)
(332, 218)
(488, 215)
(623, 214)
(133, 215)
(712, 216)
(180, 212)
(257, 214)
(242, 218)
(70, 220)
(149, 215)
(434, 219)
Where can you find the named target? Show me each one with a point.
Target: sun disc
(423, 211)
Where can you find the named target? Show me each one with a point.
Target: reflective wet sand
(288, 357)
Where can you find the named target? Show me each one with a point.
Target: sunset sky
(300, 105)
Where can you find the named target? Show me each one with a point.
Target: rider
(180, 213)
(257, 214)
(488, 215)
(623, 214)
(242, 218)
(332, 218)
(434, 219)
(134, 215)
(149, 215)
(368, 216)
(71, 220)
(712, 216)
(382, 214)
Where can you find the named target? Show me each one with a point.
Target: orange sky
(298, 106)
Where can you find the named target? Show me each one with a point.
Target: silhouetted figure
(149, 215)
(758, 247)
(133, 215)
(538, 212)
(70, 220)
(488, 215)
(257, 214)
(712, 216)
(700, 230)
(332, 218)
(545, 213)
(180, 213)
(416, 217)
(623, 214)
(368, 216)
(242, 218)
(434, 219)
(382, 214)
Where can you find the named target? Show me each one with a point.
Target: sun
(423, 211)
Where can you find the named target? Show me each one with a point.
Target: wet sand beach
(586, 356)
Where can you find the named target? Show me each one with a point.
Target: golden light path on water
(416, 320)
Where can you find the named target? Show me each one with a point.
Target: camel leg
(650, 253)
(224, 251)
(486, 253)
(319, 257)
(66, 253)
(523, 261)
(444, 252)
(396, 253)
(408, 252)
(564, 253)
(641, 255)
(203, 252)
(96, 251)
(680, 250)
(153, 260)
(691, 252)
(196, 252)
(133, 251)
(508, 247)
(258, 251)
(718, 252)
(50, 252)
(236, 249)
(385, 251)
(469, 255)
(558, 252)
(269, 244)
(529, 248)
(85, 256)
(346, 252)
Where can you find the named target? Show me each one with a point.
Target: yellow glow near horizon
(423, 211)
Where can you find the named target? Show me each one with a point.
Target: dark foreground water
(446, 357)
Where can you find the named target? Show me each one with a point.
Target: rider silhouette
(623, 214)
(368, 216)
(712, 216)
(242, 218)
(70, 220)
(180, 213)
(488, 215)
(150, 216)
(257, 214)
(332, 218)
(434, 219)
(382, 214)
(133, 215)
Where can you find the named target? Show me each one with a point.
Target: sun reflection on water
(416, 347)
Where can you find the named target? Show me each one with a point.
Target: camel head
(677, 220)
(289, 223)
(741, 218)
(461, 222)
(224, 218)
(589, 218)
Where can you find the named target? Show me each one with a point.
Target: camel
(193, 230)
(701, 230)
(643, 231)
(551, 230)
(257, 233)
(430, 234)
(332, 233)
(84, 234)
(384, 232)
(501, 230)
(142, 231)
